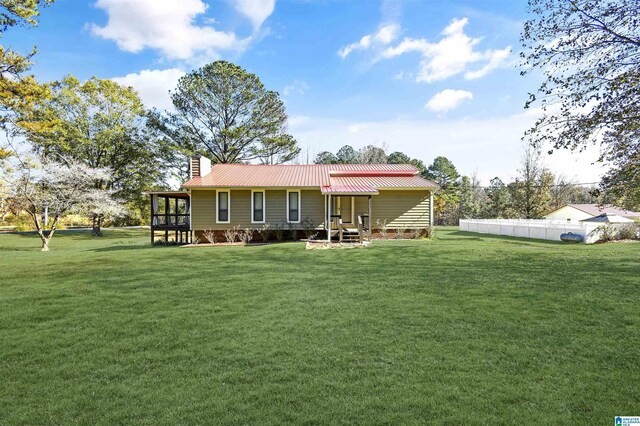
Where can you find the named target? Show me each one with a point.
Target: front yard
(463, 329)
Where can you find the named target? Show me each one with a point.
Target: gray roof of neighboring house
(607, 218)
(597, 209)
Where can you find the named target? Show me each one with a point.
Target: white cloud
(385, 35)
(451, 55)
(167, 26)
(298, 86)
(356, 128)
(471, 143)
(256, 10)
(297, 120)
(496, 59)
(153, 86)
(448, 99)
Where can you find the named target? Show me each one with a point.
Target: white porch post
(370, 218)
(329, 218)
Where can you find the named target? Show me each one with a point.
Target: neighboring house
(349, 199)
(578, 212)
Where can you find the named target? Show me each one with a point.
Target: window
(293, 206)
(222, 214)
(257, 206)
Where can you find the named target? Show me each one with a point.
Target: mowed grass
(465, 329)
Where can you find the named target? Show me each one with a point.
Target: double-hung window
(223, 211)
(257, 206)
(293, 206)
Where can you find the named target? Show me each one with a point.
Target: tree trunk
(97, 224)
(45, 244)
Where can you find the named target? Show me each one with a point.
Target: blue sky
(427, 78)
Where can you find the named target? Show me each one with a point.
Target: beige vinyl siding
(362, 206)
(203, 208)
(276, 205)
(401, 208)
(312, 207)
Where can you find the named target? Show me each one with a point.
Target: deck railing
(170, 220)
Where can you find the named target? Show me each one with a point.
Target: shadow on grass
(465, 235)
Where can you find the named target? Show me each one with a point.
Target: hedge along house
(348, 200)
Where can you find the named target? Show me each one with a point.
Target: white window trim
(264, 206)
(299, 202)
(228, 191)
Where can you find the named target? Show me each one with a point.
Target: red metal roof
(370, 176)
(349, 189)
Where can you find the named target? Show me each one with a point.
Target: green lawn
(464, 329)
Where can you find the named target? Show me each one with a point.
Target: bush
(231, 234)
(382, 227)
(308, 229)
(399, 233)
(605, 233)
(429, 232)
(265, 232)
(628, 231)
(210, 236)
(292, 232)
(278, 232)
(246, 236)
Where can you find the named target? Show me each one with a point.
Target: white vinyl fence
(531, 228)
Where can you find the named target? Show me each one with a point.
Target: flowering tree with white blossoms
(37, 186)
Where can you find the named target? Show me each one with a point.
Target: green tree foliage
(347, 155)
(419, 165)
(325, 157)
(497, 205)
(444, 174)
(472, 198)
(398, 157)
(18, 92)
(372, 154)
(225, 113)
(103, 125)
(20, 12)
(530, 193)
(589, 52)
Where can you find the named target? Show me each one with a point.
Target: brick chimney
(199, 166)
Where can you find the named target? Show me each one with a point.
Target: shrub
(308, 229)
(195, 240)
(278, 232)
(292, 232)
(231, 234)
(382, 227)
(264, 232)
(246, 236)
(605, 233)
(399, 233)
(210, 236)
(628, 231)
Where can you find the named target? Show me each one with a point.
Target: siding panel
(401, 208)
(203, 208)
(312, 207)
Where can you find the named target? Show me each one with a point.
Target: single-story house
(578, 212)
(346, 199)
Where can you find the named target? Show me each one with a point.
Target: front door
(345, 207)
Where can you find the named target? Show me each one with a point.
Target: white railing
(541, 229)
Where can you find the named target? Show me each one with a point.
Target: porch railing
(170, 220)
